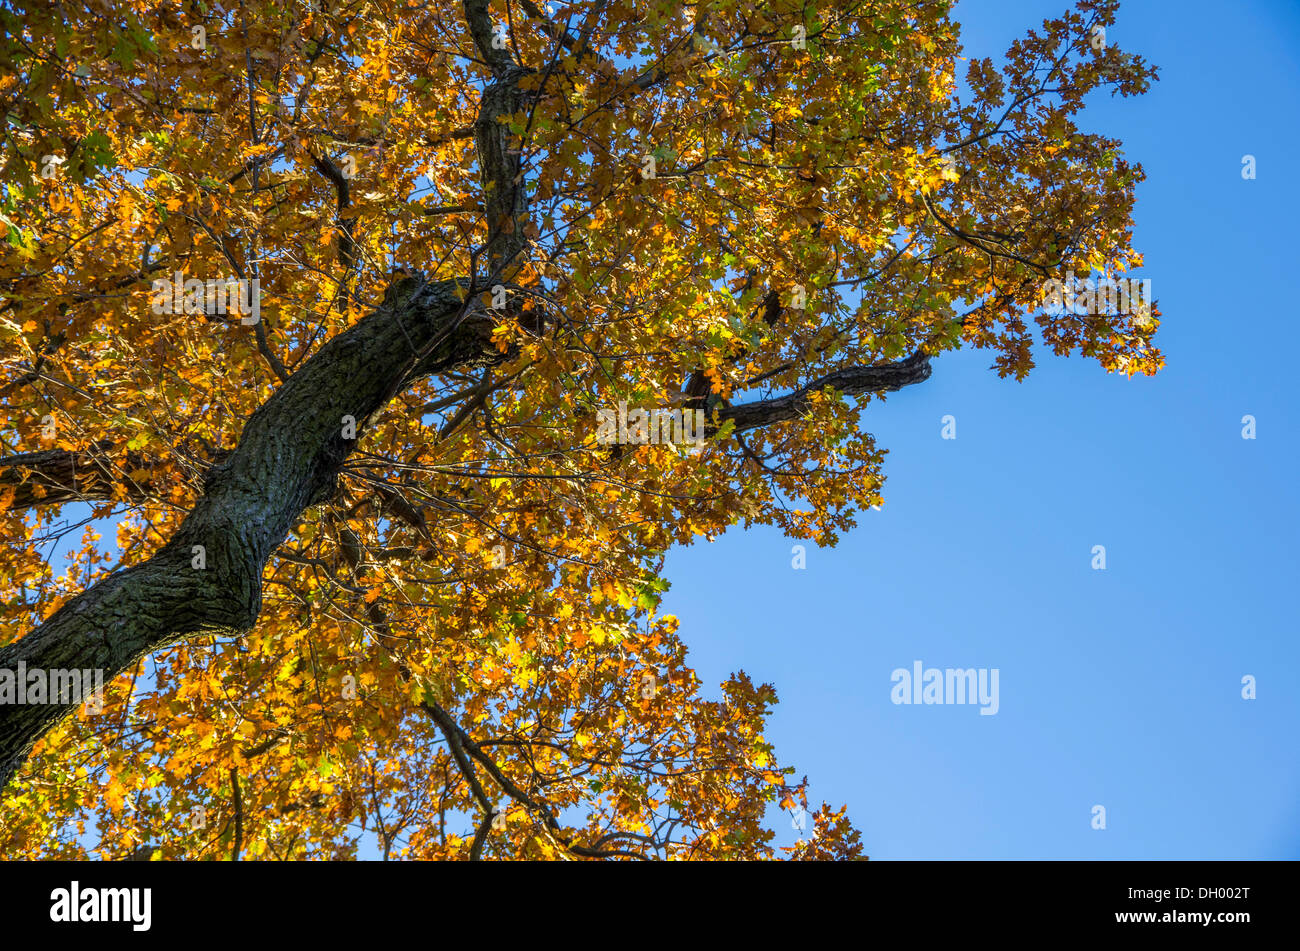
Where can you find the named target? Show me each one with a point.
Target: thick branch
(852, 381)
(56, 476)
(499, 150)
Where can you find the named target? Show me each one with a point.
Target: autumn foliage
(773, 212)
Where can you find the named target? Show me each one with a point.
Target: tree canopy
(374, 573)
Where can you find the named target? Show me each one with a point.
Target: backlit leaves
(484, 560)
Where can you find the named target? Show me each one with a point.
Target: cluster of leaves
(461, 652)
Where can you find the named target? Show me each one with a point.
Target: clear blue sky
(1119, 687)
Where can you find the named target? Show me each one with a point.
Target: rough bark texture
(56, 476)
(288, 458)
(852, 381)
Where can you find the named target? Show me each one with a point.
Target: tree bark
(57, 476)
(851, 381)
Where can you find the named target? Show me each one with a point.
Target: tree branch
(852, 381)
(56, 476)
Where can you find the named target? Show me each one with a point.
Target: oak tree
(323, 303)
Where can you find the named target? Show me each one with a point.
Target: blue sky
(1119, 687)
